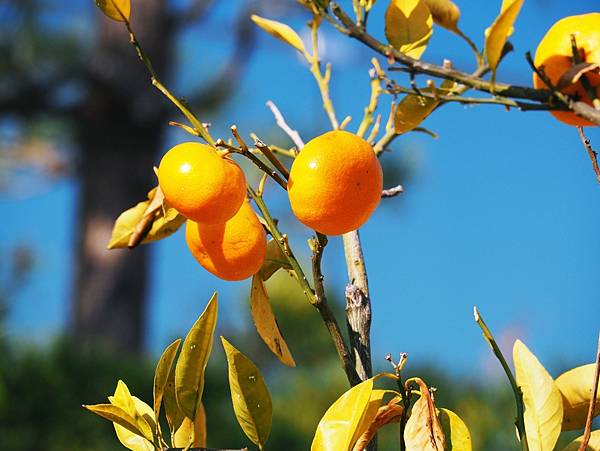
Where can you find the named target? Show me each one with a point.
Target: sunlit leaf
(375, 401)
(115, 9)
(423, 431)
(133, 441)
(161, 375)
(593, 444)
(456, 432)
(192, 432)
(274, 260)
(375, 417)
(136, 409)
(148, 221)
(445, 13)
(266, 324)
(339, 424)
(249, 395)
(408, 26)
(280, 31)
(500, 30)
(191, 364)
(541, 398)
(576, 387)
(116, 415)
(414, 109)
(172, 411)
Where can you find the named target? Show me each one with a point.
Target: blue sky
(502, 211)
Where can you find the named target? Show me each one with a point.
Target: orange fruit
(200, 184)
(554, 54)
(233, 250)
(335, 183)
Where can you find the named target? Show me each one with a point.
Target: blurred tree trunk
(119, 133)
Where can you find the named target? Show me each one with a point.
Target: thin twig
(591, 152)
(590, 416)
(280, 120)
(267, 152)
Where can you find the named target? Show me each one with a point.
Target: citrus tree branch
(591, 152)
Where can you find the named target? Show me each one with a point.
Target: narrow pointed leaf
(575, 387)
(500, 30)
(337, 427)
(458, 437)
(593, 444)
(541, 398)
(161, 375)
(172, 411)
(249, 395)
(116, 415)
(133, 441)
(191, 364)
(281, 31)
(192, 432)
(445, 13)
(408, 26)
(266, 324)
(115, 9)
(423, 431)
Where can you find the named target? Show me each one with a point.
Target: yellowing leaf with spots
(408, 26)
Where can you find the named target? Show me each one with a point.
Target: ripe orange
(554, 54)
(233, 250)
(335, 183)
(200, 184)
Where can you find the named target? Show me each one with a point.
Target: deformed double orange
(201, 184)
(555, 56)
(335, 183)
(233, 250)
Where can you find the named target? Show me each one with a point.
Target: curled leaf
(281, 31)
(575, 72)
(249, 395)
(408, 26)
(338, 426)
(146, 222)
(423, 431)
(118, 10)
(445, 13)
(575, 388)
(593, 444)
(133, 441)
(500, 30)
(389, 413)
(541, 398)
(191, 364)
(458, 437)
(138, 410)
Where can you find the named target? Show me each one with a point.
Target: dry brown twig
(591, 152)
(590, 416)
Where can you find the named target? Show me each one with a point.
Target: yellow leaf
(541, 398)
(136, 409)
(274, 260)
(408, 26)
(576, 390)
(423, 431)
(339, 424)
(266, 324)
(192, 432)
(115, 9)
(173, 413)
(369, 414)
(445, 13)
(414, 109)
(249, 395)
(161, 375)
(116, 415)
(191, 364)
(281, 31)
(148, 220)
(133, 441)
(456, 431)
(500, 30)
(593, 444)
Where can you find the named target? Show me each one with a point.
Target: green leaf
(593, 444)
(576, 387)
(123, 399)
(116, 415)
(118, 10)
(423, 431)
(281, 31)
(161, 375)
(191, 364)
(148, 221)
(456, 432)
(266, 324)
(173, 413)
(339, 424)
(274, 260)
(133, 441)
(249, 395)
(541, 398)
(445, 13)
(414, 109)
(408, 26)
(192, 433)
(499, 32)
